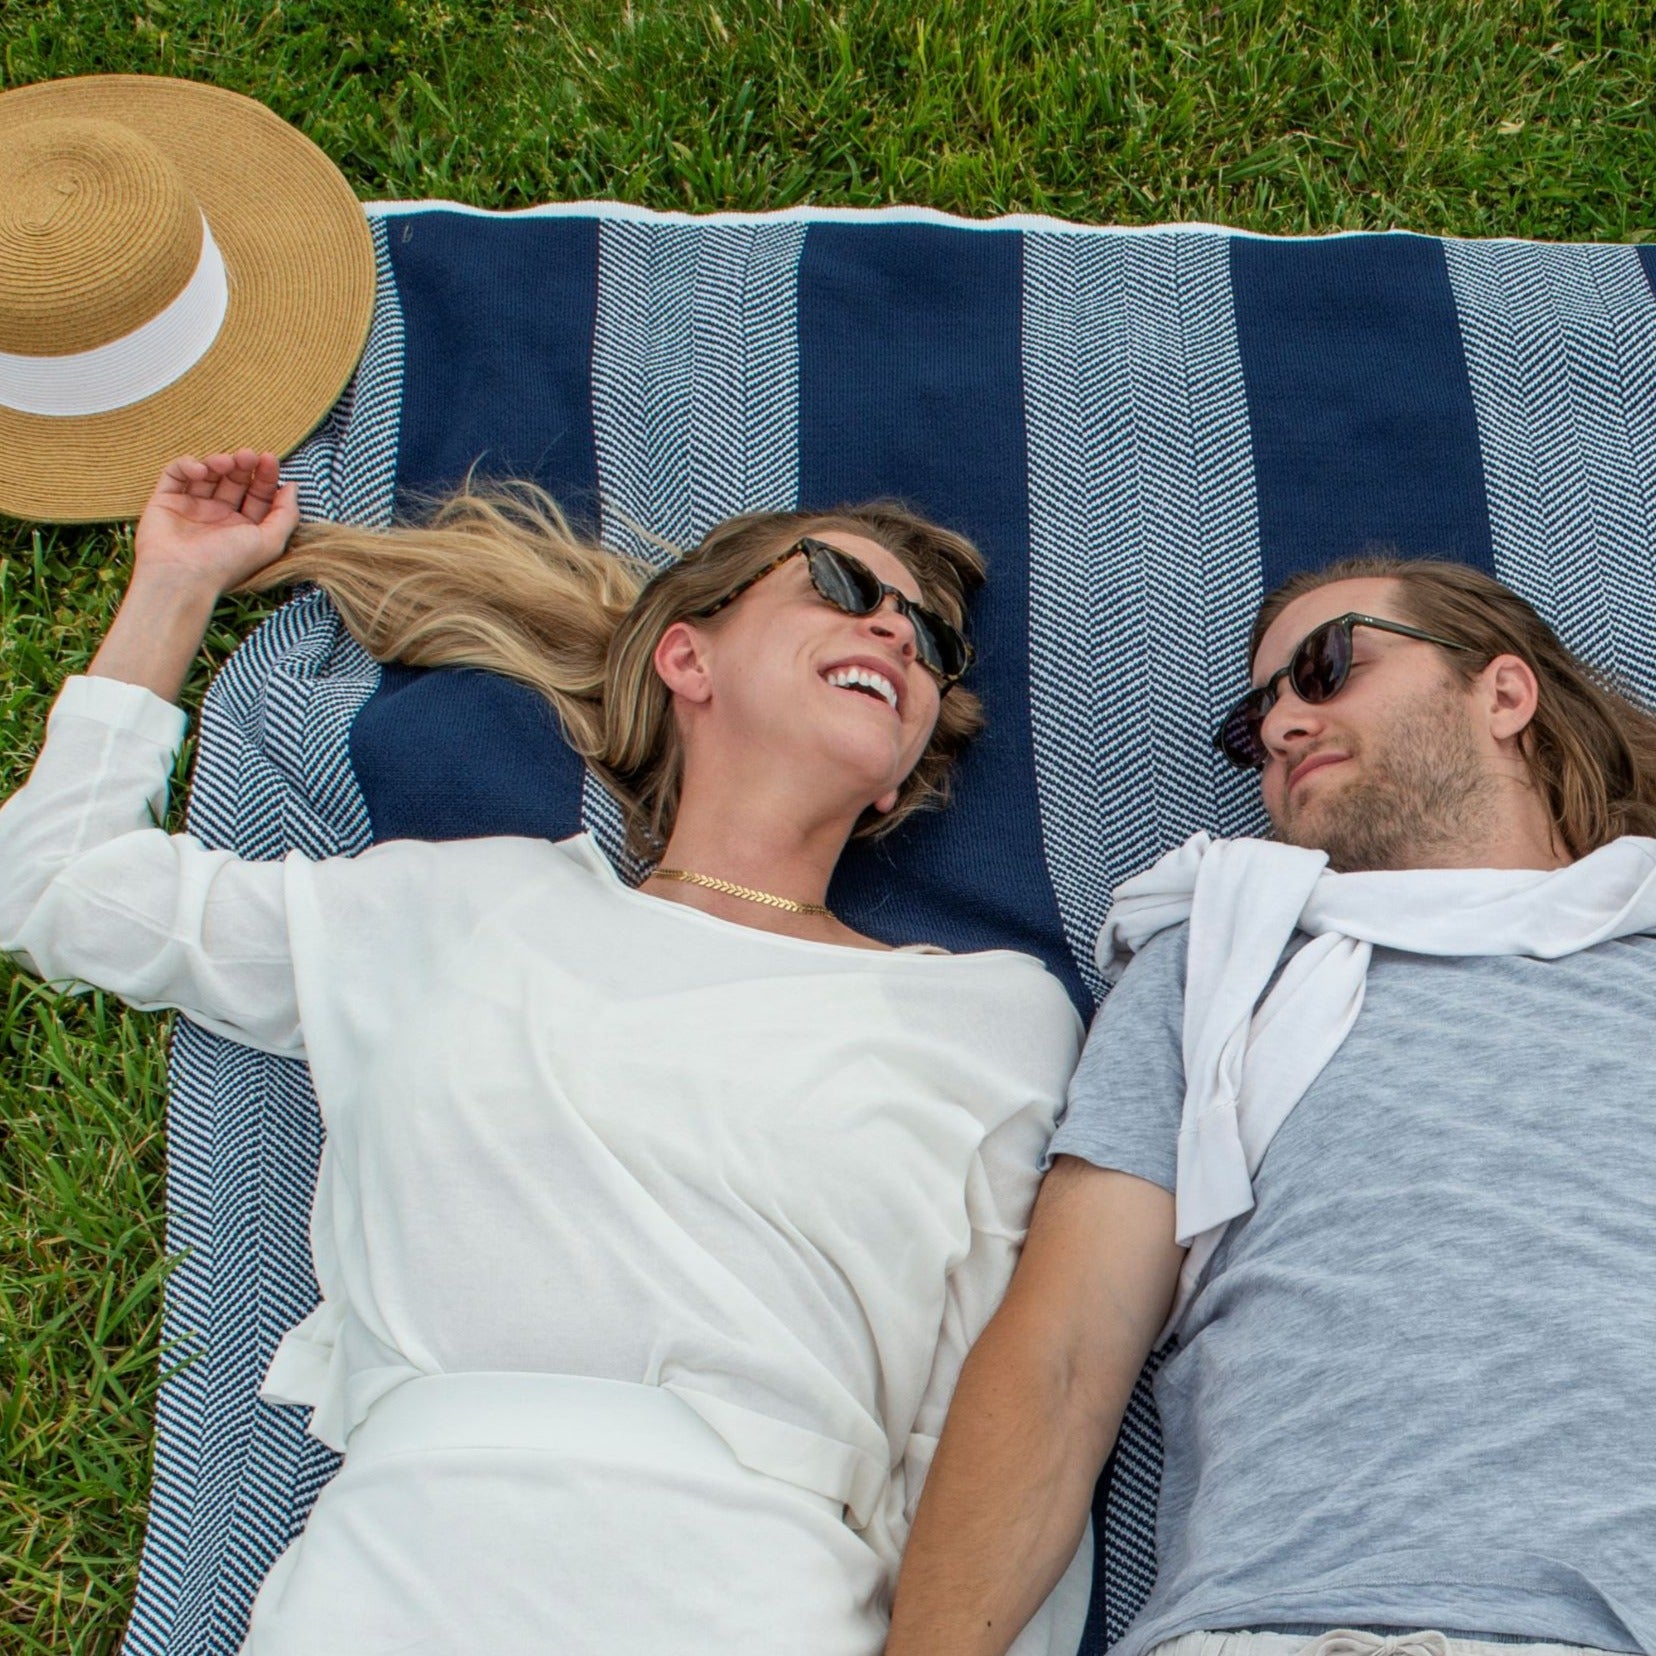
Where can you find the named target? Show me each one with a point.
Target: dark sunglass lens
(1321, 663)
(937, 644)
(852, 586)
(1239, 737)
(843, 581)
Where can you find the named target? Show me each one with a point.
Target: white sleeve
(1000, 1190)
(92, 891)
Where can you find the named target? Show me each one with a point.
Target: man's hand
(215, 521)
(1037, 1408)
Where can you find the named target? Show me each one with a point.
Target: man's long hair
(1591, 748)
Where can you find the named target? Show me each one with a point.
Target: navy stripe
(1361, 412)
(485, 300)
(457, 754)
(452, 753)
(911, 384)
(1647, 258)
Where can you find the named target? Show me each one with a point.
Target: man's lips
(1312, 762)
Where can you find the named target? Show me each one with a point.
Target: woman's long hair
(496, 578)
(1591, 748)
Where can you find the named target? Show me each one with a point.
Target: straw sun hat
(181, 272)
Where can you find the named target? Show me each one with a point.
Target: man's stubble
(1425, 797)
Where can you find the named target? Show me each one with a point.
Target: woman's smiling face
(792, 677)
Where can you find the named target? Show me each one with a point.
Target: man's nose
(1290, 719)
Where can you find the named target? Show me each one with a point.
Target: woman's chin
(863, 761)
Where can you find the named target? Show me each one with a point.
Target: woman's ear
(681, 662)
(886, 802)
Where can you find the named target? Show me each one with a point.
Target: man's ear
(681, 662)
(1512, 692)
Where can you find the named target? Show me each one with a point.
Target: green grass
(1451, 116)
(82, 1257)
(1459, 116)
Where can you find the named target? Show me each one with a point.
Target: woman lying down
(653, 1223)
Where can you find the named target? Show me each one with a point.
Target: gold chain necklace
(746, 893)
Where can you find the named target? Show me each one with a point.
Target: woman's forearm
(209, 525)
(157, 632)
(93, 892)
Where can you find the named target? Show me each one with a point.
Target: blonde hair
(1591, 748)
(495, 577)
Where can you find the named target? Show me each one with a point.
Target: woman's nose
(889, 622)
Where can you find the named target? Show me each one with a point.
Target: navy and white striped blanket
(1144, 430)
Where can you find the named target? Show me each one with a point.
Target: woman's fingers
(235, 474)
(265, 476)
(281, 519)
(224, 477)
(181, 475)
(245, 482)
(264, 482)
(214, 467)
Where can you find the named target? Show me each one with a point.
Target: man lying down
(1387, 1082)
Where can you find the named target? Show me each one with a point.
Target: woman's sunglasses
(1317, 670)
(851, 586)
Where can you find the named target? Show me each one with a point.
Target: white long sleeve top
(573, 1128)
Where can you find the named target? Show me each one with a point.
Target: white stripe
(695, 394)
(130, 368)
(1144, 555)
(347, 469)
(1561, 357)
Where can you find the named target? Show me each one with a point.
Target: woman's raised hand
(209, 526)
(217, 520)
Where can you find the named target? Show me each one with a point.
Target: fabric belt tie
(653, 1425)
(1345, 1641)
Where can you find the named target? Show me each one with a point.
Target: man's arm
(1038, 1405)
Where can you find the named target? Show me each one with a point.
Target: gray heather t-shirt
(1417, 1387)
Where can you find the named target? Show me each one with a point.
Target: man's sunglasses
(1318, 669)
(851, 586)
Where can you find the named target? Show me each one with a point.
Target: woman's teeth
(863, 678)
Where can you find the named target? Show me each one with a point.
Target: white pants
(517, 1514)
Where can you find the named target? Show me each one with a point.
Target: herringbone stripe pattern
(235, 1478)
(695, 392)
(1144, 577)
(1144, 560)
(1561, 352)
(1125, 1519)
(347, 469)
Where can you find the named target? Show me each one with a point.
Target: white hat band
(130, 368)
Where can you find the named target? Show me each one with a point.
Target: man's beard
(1425, 799)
